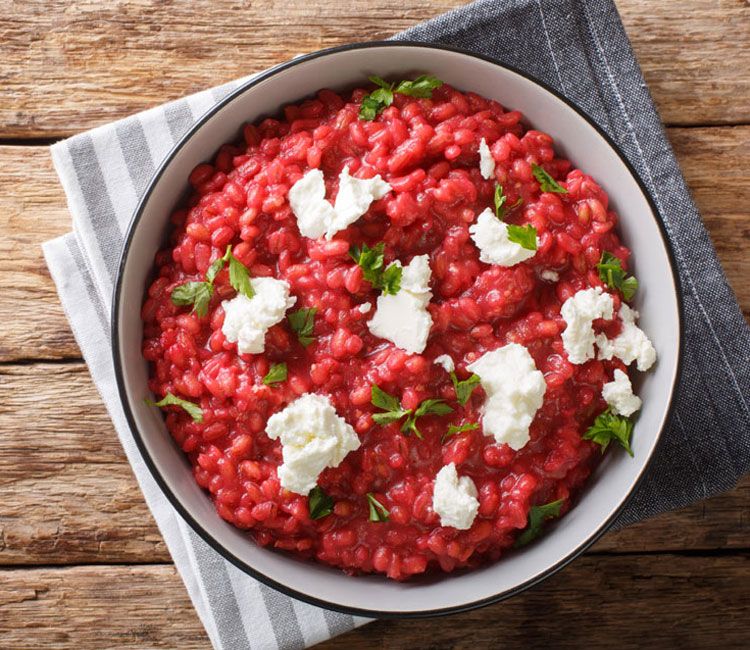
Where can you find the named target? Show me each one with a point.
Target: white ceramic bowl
(658, 301)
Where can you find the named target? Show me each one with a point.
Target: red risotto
(390, 330)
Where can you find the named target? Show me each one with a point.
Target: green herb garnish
(608, 427)
(371, 261)
(500, 200)
(382, 97)
(378, 512)
(277, 373)
(199, 294)
(612, 274)
(537, 516)
(546, 182)
(394, 411)
(464, 388)
(319, 503)
(302, 322)
(453, 430)
(524, 236)
(193, 410)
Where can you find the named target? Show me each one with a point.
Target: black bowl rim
(183, 511)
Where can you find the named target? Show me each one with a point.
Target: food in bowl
(391, 329)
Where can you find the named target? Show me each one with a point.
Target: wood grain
(72, 66)
(716, 163)
(587, 605)
(71, 496)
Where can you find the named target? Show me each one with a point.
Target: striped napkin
(580, 48)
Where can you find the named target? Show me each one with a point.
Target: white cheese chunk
(445, 362)
(403, 319)
(246, 320)
(365, 307)
(579, 312)
(486, 161)
(549, 275)
(515, 392)
(307, 198)
(317, 217)
(454, 499)
(313, 436)
(619, 395)
(491, 237)
(354, 199)
(630, 345)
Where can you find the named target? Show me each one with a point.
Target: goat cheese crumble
(619, 395)
(454, 499)
(491, 238)
(579, 312)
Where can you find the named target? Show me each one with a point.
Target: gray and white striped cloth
(580, 48)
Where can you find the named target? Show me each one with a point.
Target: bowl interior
(656, 300)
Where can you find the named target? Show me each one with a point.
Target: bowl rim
(184, 511)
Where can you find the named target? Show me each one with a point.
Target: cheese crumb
(515, 392)
(403, 319)
(313, 436)
(549, 275)
(491, 238)
(486, 161)
(307, 198)
(246, 320)
(317, 217)
(630, 345)
(365, 307)
(579, 312)
(454, 499)
(446, 362)
(619, 395)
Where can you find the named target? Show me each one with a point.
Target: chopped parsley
(198, 294)
(524, 236)
(378, 512)
(613, 275)
(464, 388)
(608, 427)
(500, 200)
(277, 373)
(454, 429)
(546, 182)
(394, 411)
(372, 261)
(193, 410)
(382, 97)
(302, 322)
(319, 503)
(537, 516)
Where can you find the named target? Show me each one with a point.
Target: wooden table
(82, 563)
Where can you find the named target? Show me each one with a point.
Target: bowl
(577, 138)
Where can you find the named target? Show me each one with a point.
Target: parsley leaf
(193, 410)
(464, 388)
(277, 373)
(389, 404)
(421, 87)
(197, 294)
(608, 427)
(612, 274)
(302, 322)
(453, 429)
(500, 200)
(382, 97)
(546, 182)
(524, 236)
(371, 261)
(427, 407)
(378, 512)
(537, 516)
(319, 503)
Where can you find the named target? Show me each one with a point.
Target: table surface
(82, 564)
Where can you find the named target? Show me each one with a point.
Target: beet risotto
(391, 330)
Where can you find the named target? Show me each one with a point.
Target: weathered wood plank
(32, 209)
(596, 599)
(69, 496)
(70, 67)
